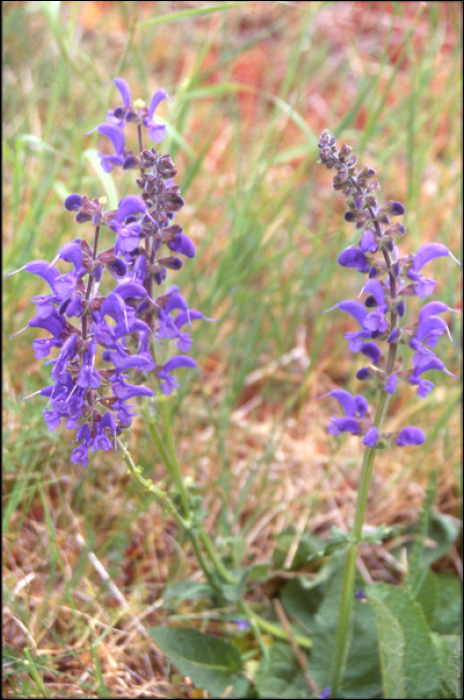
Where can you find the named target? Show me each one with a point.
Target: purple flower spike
(353, 257)
(371, 437)
(410, 436)
(325, 693)
(428, 252)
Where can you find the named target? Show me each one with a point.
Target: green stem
(271, 627)
(221, 570)
(149, 486)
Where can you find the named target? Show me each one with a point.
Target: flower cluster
(392, 279)
(101, 337)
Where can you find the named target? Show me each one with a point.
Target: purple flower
(391, 384)
(368, 243)
(372, 351)
(116, 136)
(171, 383)
(124, 89)
(157, 132)
(73, 202)
(371, 437)
(397, 209)
(410, 436)
(354, 257)
(428, 252)
(352, 405)
(182, 244)
(424, 363)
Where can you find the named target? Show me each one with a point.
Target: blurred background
(253, 84)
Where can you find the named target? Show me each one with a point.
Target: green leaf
(212, 663)
(309, 548)
(410, 667)
(452, 671)
(440, 596)
(279, 675)
(175, 593)
(441, 534)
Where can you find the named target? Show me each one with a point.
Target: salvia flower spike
(104, 318)
(392, 280)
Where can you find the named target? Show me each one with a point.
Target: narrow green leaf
(186, 14)
(212, 663)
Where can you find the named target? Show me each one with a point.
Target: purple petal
(424, 363)
(132, 204)
(158, 97)
(433, 325)
(156, 132)
(353, 257)
(42, 268)
(355, 309)
(368, 242)
(410, 436)
(115, 135)
(375, 288)
(428, 252)
(343, 425)
(124, 89)
(182, 244)
(345, 398)
(372, 351)
(397, 209)
(73, 201)
(129, 290)
(371, 437)
(361, 404)
(423, 286)
(179, 361)
(390, 386)
(432, 308)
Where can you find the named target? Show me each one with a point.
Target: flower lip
(124, 89)
(428, 252)
(410, 436)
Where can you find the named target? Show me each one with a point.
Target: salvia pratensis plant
(392, 278)
(106, 318)
(116, 335)
(110, 324)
